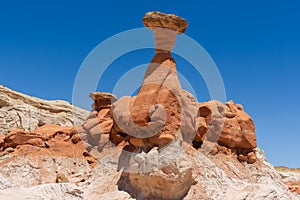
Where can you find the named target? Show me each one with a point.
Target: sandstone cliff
(23, 111)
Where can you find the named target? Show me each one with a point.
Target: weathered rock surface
(291, 177)
(161, 115)
(162, 20)
(67, 191)
(35, 164)
(102, 100)
(237, 130)
(228, 125)
(94, 132)
(161, 112)
(160, 144)
(216, 177)
(47, 155)
(165, 174)
(22, 111)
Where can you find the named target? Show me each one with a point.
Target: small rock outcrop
(294, 186)
(290, 177)
(18, 110)
(228, 125)
(167, 174)
(94, 132)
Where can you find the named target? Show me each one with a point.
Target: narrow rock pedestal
(158, 120)
(161, 112)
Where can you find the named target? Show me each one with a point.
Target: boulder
(162, 20)
(228, 124)
(102, 100)
(165, 174)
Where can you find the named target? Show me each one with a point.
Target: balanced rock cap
(162, 20)
(100, 96)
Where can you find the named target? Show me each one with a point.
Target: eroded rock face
(102, 100)
(161, 112)
(166, 174)
(22, 111)
(228, 125)
(54, 162)
(159, 116)
(290, 177)
(94, 132)
(238, 129)
(294, 186)
(34, 164)
(49, 154)
(219, 177)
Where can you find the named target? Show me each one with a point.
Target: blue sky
(255, 44)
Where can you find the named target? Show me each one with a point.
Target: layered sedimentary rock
(219, 177)
(168, 21)
(22, 111)
(49, 154)
(164, 174)
(228, 125)
(161, 112)
(291, 177)
(94, 132)
(52, 163)
(158, 117)
(161, 144)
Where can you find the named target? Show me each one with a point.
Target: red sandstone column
(161, 88)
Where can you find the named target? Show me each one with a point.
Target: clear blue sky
(255, 44)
